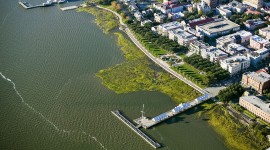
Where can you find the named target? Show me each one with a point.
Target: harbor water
(51, 99)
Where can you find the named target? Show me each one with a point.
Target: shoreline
(156, 60)
(211, 123)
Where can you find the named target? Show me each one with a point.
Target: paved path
(158, 61)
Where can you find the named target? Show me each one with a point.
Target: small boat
(61, 1)
(48, 3)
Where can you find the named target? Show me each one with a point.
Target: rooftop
(170, 25)
(201, 22)
(219, 26)
(266, 29)
(260, 76)
(235, 60)
(264, 106)
(259, 39)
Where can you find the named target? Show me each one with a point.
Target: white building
(239, 37)
(198, 46)
(265, 32)
(258, 42)
(145, 22)
(213, 54)
(234, 48)
(182, 37)
(264, 52)
(164, 29)
(235, 64)
(218, 27)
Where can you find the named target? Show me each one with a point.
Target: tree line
(156, 39)
(231, 92)
(213, 70)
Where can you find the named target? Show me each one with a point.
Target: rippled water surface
(51, 99)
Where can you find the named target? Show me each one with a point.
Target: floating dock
(69, 8)
(135, 129)
(147, 123)
(27, 5)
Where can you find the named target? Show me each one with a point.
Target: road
(158, 61)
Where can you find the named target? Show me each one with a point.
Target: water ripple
(60, 131)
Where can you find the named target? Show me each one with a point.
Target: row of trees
(158, 40)
(213, 70)
(231, 92)
(241, 18)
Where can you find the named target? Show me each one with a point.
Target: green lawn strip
(191, 73)
(263, 122)
(235, 135)
(249, 114)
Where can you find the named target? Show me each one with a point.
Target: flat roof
(218, 26)
(256, 101)
(171, 25)
(261, 76)
(235, 60)
(259, 39)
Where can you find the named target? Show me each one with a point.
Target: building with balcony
(235, 64)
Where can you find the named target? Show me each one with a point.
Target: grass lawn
(192, 73)
(249, 114)
(263, 122)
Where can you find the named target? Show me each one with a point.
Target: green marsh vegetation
(136, 74)
(235, 134)
(107, 21)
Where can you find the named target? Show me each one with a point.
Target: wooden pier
(135, 129)
(69, 8)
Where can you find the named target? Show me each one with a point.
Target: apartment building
(257, 106)
(265, 32)
(235, 64)
(258, 81)
(258, 42)
(254, 3)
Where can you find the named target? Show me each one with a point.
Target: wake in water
(45, 119)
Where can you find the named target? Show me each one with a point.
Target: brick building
(257, 81)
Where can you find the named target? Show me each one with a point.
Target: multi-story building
(218, 27)
(240, 37)
(257, 106)
(159, 17)
(182, 37)
(257, 81)
(213, 54)
(265, 32)
(234, 48)
(212, 3)
(235, 64)
(258, 42)
(254, 3)
(164, 29)
(197, 46)
(253, 24)
(264, 52)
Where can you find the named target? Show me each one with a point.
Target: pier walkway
(135, 129)
(147, 123)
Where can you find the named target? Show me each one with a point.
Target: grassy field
(154, 50)
(236, 135)
(191, 73)
(107, 21)
(135, 74)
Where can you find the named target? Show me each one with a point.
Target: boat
(48, 3)
(61, 1)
